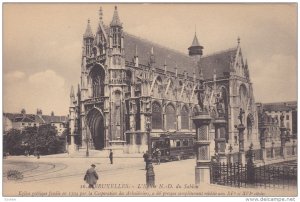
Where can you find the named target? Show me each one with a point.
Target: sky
(42, 45)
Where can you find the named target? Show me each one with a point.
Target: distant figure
(282, 120)
(158, 156)
(111, 157)
(146, 156)
(240, 117)
(38, 155)
(91, 176)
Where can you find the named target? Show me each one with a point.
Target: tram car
(174, 146)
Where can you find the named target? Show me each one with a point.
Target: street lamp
(150, 176)
(87, 138)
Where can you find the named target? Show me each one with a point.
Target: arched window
(184, 118)
(243, 95)
(97, 79)
(156, 116)
(171, 117)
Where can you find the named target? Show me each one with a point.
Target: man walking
(158, 156)
(111, 157)
(146, 156)
(91, 176)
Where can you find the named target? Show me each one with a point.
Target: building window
(171, 117)
(23, 124)
(156, 116)
(184, 118)
(34, 124)
(29, 124)
(287, 117)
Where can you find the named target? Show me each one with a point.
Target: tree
(13, 142)
(43, 139)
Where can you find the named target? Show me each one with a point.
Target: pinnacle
(72, 92)
(88, 32)
(195, 41)
(116, 20)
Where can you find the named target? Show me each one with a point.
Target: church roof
(50, 119)
(219, 61)
(162, 54)
(17, 117)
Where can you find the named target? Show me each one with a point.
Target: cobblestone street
(57, 175)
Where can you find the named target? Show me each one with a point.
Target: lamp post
(87, 139)
(150, 175)
(230, 154)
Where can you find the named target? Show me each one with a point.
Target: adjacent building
(287, 109)
(22, 120)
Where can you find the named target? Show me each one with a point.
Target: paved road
(57, 175)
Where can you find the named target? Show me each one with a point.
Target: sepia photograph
(150, 99)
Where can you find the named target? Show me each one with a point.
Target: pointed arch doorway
(95, 126)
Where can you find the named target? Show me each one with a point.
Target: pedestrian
(158, 156)
(146, 156)
(111, 157)
(91, 176)
(38, 155)
(154, 155)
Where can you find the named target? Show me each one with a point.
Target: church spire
(72, 95)
(88, 32)
(195, 49)
(116, 20)
(239, 40)
(100, 14)
(195, 41)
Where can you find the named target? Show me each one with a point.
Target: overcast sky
(42, 45)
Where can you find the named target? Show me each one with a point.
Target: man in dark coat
(91, 176)
(158, 156)
(146, 156)
(111, 157)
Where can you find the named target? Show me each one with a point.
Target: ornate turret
(116, 32)
(88, 32)
(195, 49)
(152, 57)
(72, 96)
(136, 57)
(116, 20)
(88, 39)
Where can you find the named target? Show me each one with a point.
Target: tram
(174, 146)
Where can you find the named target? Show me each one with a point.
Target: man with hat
(91, 176)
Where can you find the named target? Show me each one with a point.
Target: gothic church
(127, 81)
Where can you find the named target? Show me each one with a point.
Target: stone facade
(126, 81)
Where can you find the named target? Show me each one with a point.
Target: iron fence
(268, 176)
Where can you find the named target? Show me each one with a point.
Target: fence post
(220, 140)
(282, 136)
(250, 165)
(202, 144)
